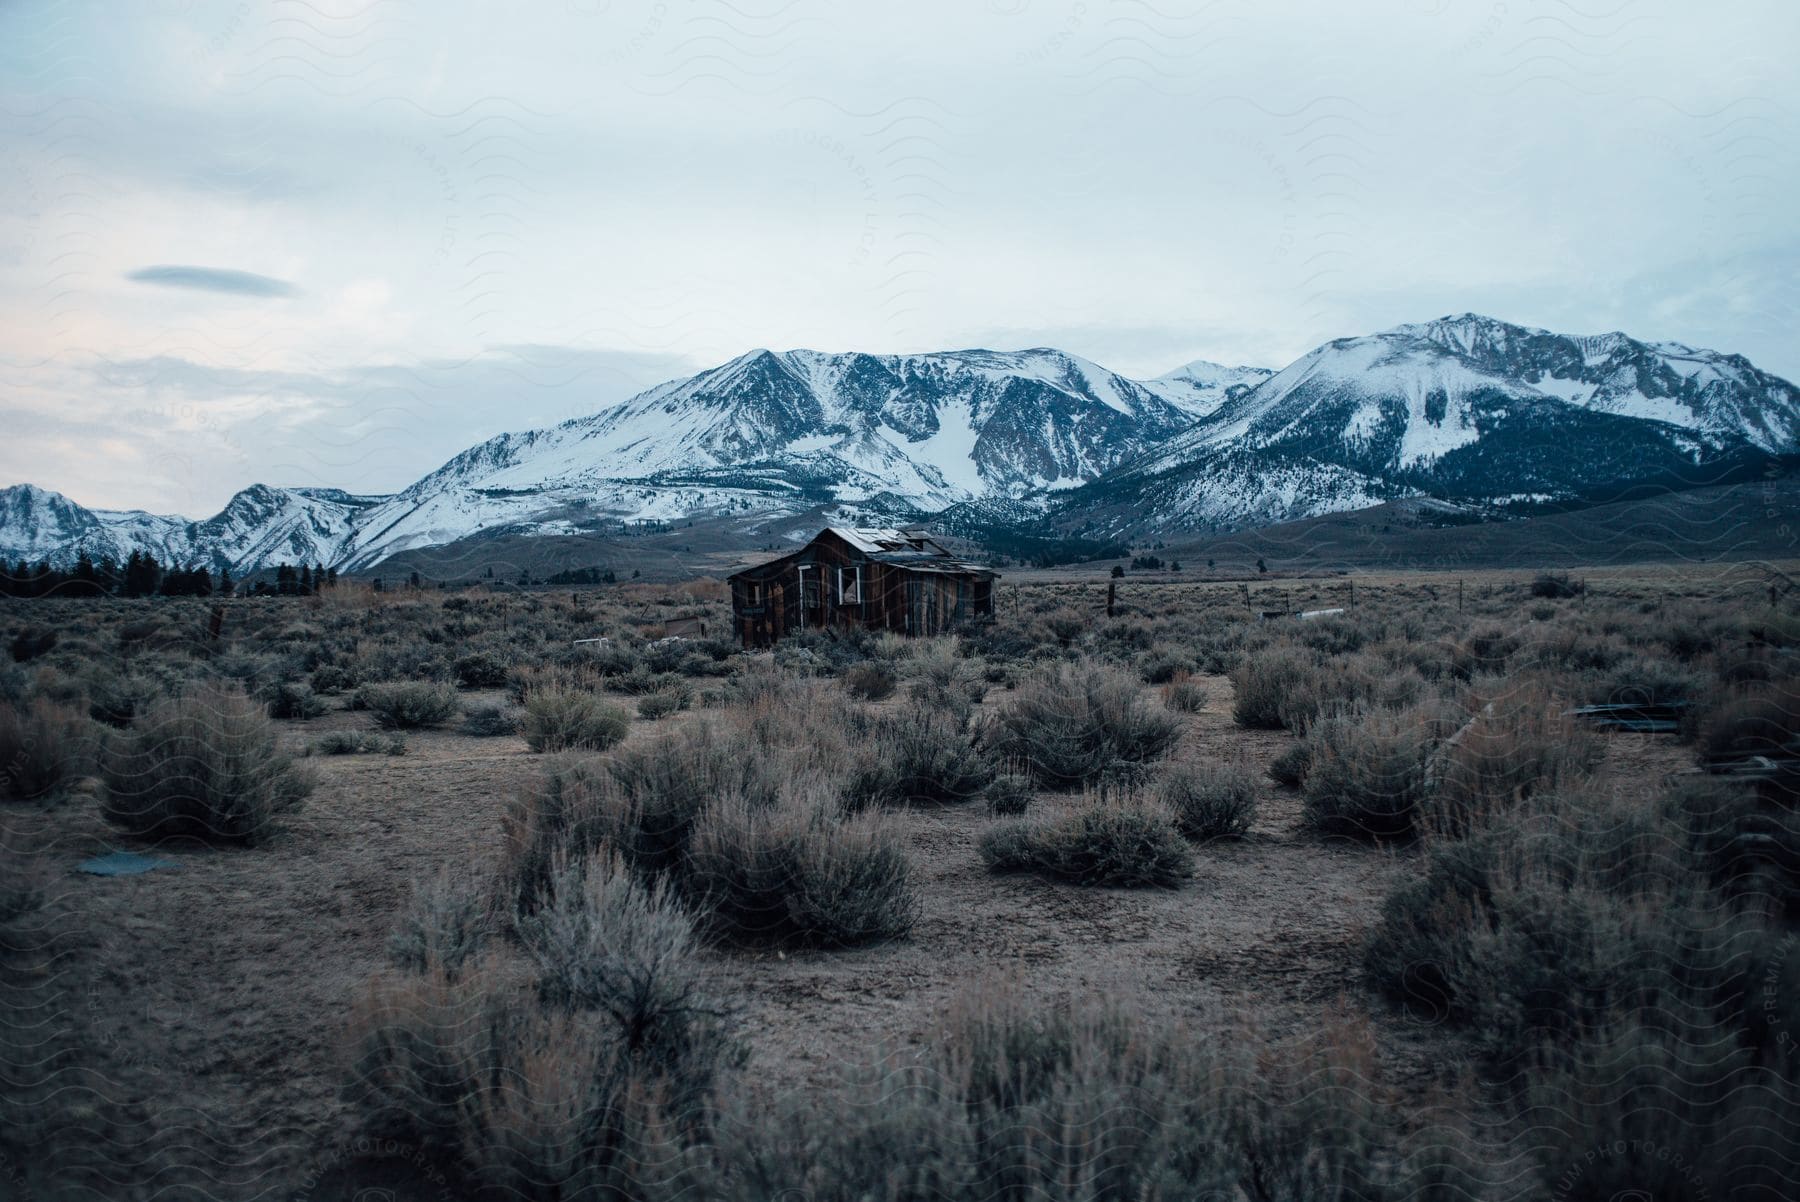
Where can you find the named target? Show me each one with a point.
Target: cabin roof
(874, 539)
(886, 544)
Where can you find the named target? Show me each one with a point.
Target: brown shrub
(1122, 841)
(1758, 720)
(1074, 724)
(1210, 800)
(1366, 773)
(409, 704)
(202, 765)
(1517, 743)
(800, 871)
(557, 720)
(42, 747)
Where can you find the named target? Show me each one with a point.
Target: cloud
(212, 279)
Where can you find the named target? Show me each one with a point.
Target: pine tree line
(142, 576)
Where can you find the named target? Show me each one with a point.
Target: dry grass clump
(1075, 724)
(292, 699)
(1758, 719)
(1367, 772)
(919, 756)
(1518, 743)
(1536, 944)
(117, 698)
(446, 923)
(1009, 795)
(664, 702)
(481, 670)
(1016, 1098)
(558, 720)
(604, 941)
(872, 680)
(596, 1087)
(752, 840)
(43, 746)
(1266, 684)
(490, 721)
(1289, 765)
(1641, 1113)
(1289, 685)
(1184, 695)
(409, 704)
(568, 811)
(204, 765)
(1210, 800)
(799, 871)
(1108, 840)
(357, 742)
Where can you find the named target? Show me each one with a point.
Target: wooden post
(1459, 594)
(1112, 593)
(1246, 589)
(1353, 594)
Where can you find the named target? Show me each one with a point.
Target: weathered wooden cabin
(849, 577)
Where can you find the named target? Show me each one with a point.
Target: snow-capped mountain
(913, 433)
(1467, 409)
(260, 525)
(1201, 387)
(36, 524)
(1464, 408)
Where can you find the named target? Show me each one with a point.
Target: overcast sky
(334, 242)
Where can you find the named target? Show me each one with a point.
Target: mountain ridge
(1463, 407)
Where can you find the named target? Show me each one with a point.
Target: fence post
(1459, 594)
(1112, 592)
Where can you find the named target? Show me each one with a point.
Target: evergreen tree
(330, 577)
(226, 586)
(306, 580)
(143, 575)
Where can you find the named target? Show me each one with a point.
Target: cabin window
(752, 593)
(809, 594)
(850, 585)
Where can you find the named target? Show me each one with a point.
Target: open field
(847, 867)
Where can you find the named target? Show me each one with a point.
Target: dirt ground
(217, 992)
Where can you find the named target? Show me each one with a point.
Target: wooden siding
(831, 585)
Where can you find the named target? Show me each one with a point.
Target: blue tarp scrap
(123, 863)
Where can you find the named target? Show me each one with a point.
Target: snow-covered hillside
(1466, 408)
(769, 431)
